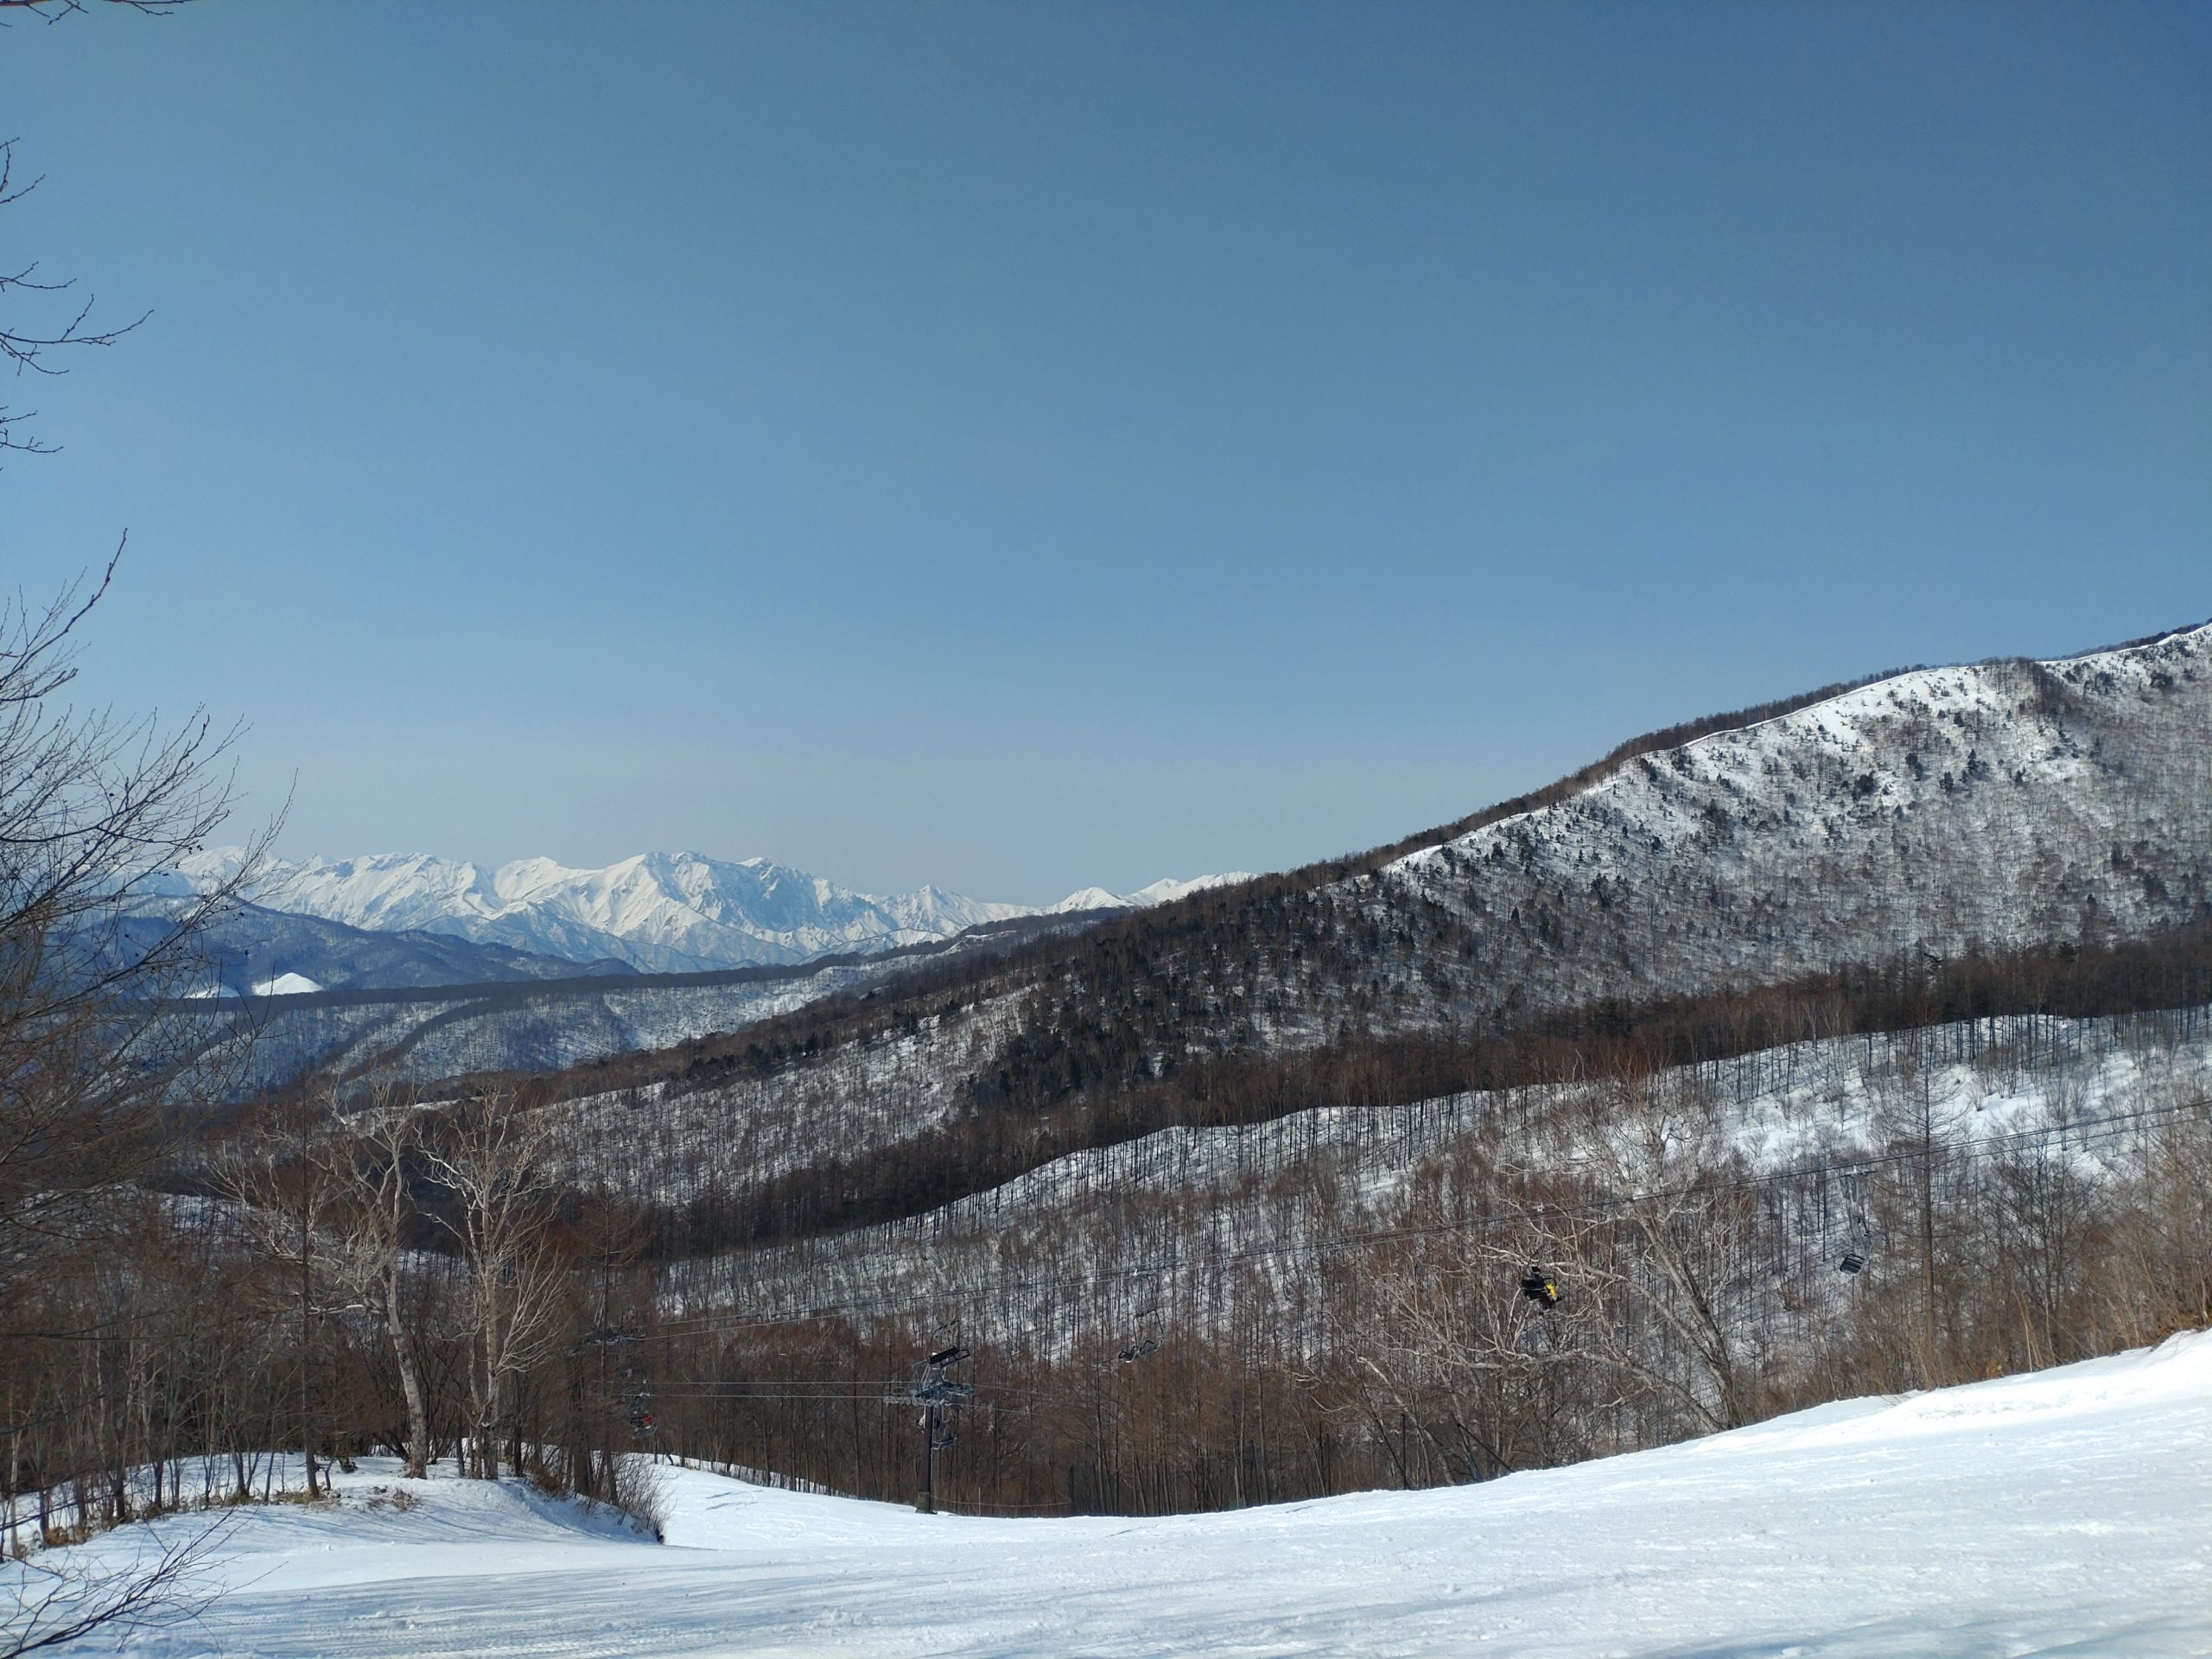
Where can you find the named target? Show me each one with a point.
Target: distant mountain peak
(659, 913)
(1162, 892)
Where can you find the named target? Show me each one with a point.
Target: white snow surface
(286, 985)
(662, 913)
(2067, 1511)
(282, 985)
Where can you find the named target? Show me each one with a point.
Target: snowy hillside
(1925, 814)
(496, 1018)
(1103, 1233)
(659, 913)
(1938, 811)
(2066, 1511)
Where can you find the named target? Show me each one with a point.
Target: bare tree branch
(52, 11)
(50, 1601)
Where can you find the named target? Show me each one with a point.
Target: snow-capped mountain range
(660, 912)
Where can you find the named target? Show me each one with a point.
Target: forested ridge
(1995, 839)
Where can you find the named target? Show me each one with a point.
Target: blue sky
(1019, 446)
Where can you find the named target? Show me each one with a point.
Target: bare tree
(370, 1156)
(288, 1195)
(1651, 1255)
(492, 1158)
(96, 927)
(1916, 1122)
(29, 346)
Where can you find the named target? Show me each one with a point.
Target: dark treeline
(389, 1278)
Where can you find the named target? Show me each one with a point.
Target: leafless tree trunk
(368, 1156)
(281, 1178)
(491, 1157)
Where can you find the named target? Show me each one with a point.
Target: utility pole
(1928, 1259)
(605, 1337)
(926, 1502)
(307, 1429)
(932, 1391)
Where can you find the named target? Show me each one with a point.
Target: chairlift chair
(1860, 1235)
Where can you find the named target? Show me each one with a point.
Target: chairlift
(607, 1336)
(1855, 1252)
(1539, 1288)
(944, 1357)
(1137, 1351)
(937, 1390)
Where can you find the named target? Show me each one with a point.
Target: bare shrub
(641, 1493)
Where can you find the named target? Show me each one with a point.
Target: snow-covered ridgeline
(1159, 892)
(1940, 811)
(658, 911)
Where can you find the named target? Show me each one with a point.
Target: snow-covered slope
(1939, 811)
(662, 913)
(2064, 1511)
(1109, 1233)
